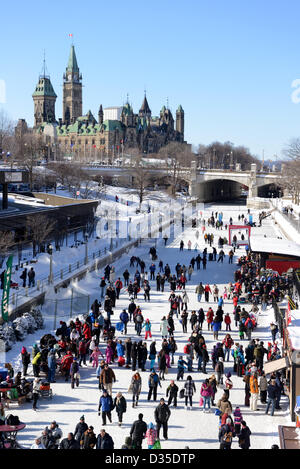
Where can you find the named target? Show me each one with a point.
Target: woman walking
(189, 390)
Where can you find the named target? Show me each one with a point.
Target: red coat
(87, 331)
(227, 319)
(66, 361)
(209, 316)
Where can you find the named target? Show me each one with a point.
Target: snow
(274, 245)
(294, 329)
(190, 428)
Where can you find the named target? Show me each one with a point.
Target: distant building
(116, 128)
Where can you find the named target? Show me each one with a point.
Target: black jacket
(104, 443)
(69, 444)
(81, 427)
(121, 406)
(162, 413)
(138, 430)
(244, 438)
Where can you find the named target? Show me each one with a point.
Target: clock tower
(72, 90)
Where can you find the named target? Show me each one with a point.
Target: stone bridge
(208, 185)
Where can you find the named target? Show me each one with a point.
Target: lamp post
(86, 237)
(50, 251)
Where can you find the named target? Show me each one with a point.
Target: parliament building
(116, 129)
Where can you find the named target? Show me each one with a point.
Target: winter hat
(150, 426)
(228, 375)
(23, 350)
(82, 417)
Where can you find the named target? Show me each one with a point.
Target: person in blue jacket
(216, 325)
(181, 368)
(51, 366)
(124, 318)
(106, 404)
(120, 349)
(152, 269)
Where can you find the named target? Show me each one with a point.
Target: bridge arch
(217, 189)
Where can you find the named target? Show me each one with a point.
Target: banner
(6, 288)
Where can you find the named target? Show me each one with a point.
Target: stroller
(45, 389)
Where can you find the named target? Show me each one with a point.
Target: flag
(6, 288)
(291, 305)
(70, 35)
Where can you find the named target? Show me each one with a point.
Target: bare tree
(30, 151)
(178, 158)
(6, 242)
(141, 179)
(39, 228)
(6, 131)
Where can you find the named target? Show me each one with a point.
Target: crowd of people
(93, 341)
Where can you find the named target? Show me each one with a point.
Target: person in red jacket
(209, 318)
(66, 362)
(228, 343)
(207, 291)
(119, 286)
(235, 301)
(227, 321)
(86, 331)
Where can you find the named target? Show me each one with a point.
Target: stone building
(84, 137)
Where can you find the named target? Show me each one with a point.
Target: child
(228, 382)
(151, 435)
(95, 357)
(237, 420)
(225, 294)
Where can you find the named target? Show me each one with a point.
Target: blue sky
(230, 64)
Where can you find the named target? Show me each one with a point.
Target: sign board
(276, 365)
(7, 176)
(13, 177)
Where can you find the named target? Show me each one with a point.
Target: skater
(106, 405)
(172, 391)
(189, 390)
(135, 387)
(138, 432)
(120, 405)
(162, 414)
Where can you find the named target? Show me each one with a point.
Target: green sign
(6, 288)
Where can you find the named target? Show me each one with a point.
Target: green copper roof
(87, 129)
(44, 88)
(127, 109)
(72, 63)
(179, 108)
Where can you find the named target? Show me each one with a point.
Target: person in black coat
(81, 427)
(104, 441)
(172, 391)
(131, 309)
(120, 405)
(134, 352)
(162, 414)
(244, 436)
(69, 442)
(128, 347)
(138, 432)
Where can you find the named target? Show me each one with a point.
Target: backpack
(186, 349)
(181, 394)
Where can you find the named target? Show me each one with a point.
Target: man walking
(162, 414)
(138, 432)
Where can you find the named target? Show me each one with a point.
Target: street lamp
(86, 237)
(50, 251)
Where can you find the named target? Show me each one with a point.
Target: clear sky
(230, 64)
